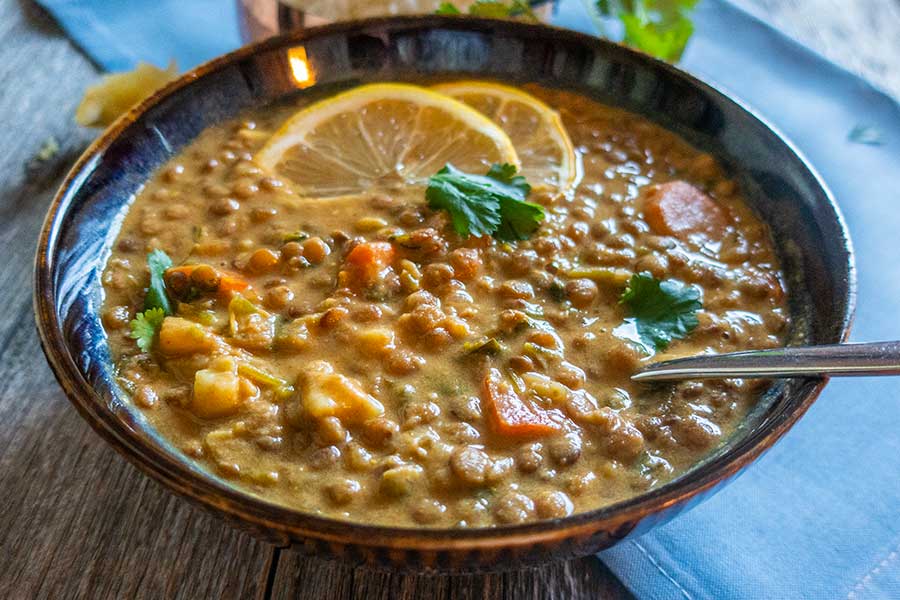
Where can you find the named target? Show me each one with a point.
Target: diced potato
(294, 336)
(180, 337)
(217, 390)
(376, 341)
(546, 388)
(250, 326)
(327, 394)
(399, 481)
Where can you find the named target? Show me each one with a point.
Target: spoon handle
(874, 358)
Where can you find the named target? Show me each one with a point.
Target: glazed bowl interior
(85, 218)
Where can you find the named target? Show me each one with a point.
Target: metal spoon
(874, 358)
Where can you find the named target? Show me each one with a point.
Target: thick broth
(411, 343)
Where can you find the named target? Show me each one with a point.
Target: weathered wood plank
(77, 520)
(303, 578)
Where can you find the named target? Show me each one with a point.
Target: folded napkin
(120, 33)
(819, 515)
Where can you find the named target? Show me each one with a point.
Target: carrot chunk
(232, 283)
(679, 209)
(511, 416)
(366, 262)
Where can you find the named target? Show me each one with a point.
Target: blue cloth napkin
(117, 34)
(819, 515)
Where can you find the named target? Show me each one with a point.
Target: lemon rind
(464, 87)
(297, 127)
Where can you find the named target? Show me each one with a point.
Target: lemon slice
(382, 137)
(535, 129)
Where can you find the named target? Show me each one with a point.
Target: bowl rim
(236, 503)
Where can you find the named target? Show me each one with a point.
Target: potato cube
(180, 337)
(250, 326)
(327, 394)
(375, 341)
(217, 391)
(400, 480)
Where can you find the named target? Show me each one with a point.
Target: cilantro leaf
(662, 40)
(144, 327)
(518, 218)
(661, 28)
(158, 261)
(662, 311)
(491, 204)
(492, 9)
(474, 209)
(447, 8)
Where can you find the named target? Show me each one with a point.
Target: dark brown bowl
(85, 215)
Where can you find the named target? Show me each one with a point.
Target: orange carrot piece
(679, 209)
(367, 260)
(509, 415)
(232, 283)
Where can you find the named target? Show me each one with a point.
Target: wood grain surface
(77, 521)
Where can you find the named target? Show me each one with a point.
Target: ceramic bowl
(84, 219)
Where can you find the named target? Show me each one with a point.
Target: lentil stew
(356, 357)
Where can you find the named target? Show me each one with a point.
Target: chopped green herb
(493, 9)
(865, 134)
(605, 275)
(447, 8)
(518, 218)
(501, 10)
(490, 9)
(407, 241)
(145, 326)
(658, 27)
(294, 236)
(489, 346)
(491, 204)
(281, 386)
(557, 291)
(158, 261)
(540, 354)
(661, 311)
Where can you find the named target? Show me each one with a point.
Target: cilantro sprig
(156, 303)
(491, 9)
(658, 27)
(144, 327)
(157, 262)
(491, 204)
(661, 311)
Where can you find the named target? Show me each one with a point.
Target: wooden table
(78, 520)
